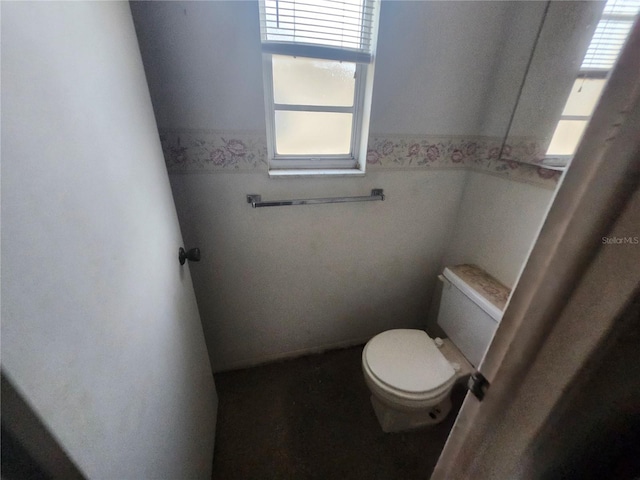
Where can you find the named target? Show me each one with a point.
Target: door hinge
(478, 385)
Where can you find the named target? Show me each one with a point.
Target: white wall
(497, 223)
(451, 68)
(203, 63)
(277, 282)
(100, 328)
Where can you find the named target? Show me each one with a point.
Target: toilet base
(393, 420)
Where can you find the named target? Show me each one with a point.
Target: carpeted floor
(311, 418)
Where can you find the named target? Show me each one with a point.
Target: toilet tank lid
(484, 290)
(408, 360)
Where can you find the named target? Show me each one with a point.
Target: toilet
(410, 375)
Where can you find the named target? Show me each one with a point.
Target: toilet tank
(471, 308)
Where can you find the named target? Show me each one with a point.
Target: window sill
(556, 162)
(309, 172)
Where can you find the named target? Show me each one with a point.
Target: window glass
(312, 133)
(310, 81)
(318, 58)
(566, 137)
(584, 96)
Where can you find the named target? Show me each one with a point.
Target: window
(318, 75)
(607, 42)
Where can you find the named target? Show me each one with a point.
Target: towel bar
(256, 200)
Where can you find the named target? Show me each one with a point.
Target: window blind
(332, 29)
(610, 35)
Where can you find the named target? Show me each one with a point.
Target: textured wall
(100, 327)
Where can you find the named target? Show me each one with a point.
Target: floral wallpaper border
(207, 151)
(202, 151)
(476, 153)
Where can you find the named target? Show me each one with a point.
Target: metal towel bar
(256, 200)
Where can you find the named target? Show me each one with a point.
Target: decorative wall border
(207, 151)
(474, 153)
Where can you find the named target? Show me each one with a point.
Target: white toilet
(411, 375)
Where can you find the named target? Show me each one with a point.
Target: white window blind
(611, 33)
(331, 29)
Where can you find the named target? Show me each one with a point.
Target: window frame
(354, 162)
(582, 74)
(350, 161)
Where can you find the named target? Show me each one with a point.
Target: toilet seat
(406, 364)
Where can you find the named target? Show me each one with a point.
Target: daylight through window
(607, 42)
(318, 68)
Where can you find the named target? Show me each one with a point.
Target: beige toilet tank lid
(487, 292)
(408, 360)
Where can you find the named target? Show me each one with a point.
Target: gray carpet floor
(311, 418)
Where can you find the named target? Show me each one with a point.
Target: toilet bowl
(410, 375)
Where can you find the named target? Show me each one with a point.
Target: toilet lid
(408, 360)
